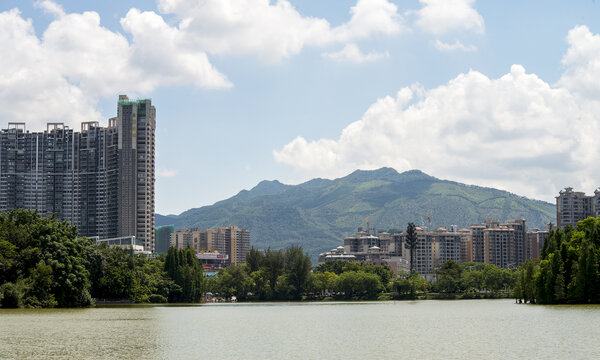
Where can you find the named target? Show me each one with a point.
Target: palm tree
(411, 244)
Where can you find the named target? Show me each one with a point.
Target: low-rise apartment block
(232, 241)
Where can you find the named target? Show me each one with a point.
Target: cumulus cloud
(76, 60)
(515, 132)
(582, 62)
(273, 30)
(50, 7)
(457, 45)
(352, 54)
(441, 16)
(32, 90)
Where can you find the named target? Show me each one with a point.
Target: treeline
(271, 275)
(567, 271)
(286, 275)
(43, 263)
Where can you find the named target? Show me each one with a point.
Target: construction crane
(368, 224)
(428, 216)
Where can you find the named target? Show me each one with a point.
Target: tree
(359, 285)
(274, 263)
(325, 282)
(492, 278)
(410, 285)
(586, 286)
(298, 271)
(46, 256)
(449, 277)
(411, 244)
(255, 259)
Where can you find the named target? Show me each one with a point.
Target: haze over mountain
(317, 214)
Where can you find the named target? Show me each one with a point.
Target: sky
(504, 94)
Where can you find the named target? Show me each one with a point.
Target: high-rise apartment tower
(100, 179)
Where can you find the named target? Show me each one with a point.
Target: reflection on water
(482, 329)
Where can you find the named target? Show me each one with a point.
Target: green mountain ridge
(317, 214)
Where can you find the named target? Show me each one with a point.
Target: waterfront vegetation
(287, 275)
(568, 270)
(43, 263)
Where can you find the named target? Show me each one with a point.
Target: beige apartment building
(574, 206)
(232, 241)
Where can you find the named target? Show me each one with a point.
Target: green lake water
(459, 329)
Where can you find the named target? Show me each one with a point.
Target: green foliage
(411, 244)
(187, 273)
(359, 285)
(298, 271)
(42, 262)
(410, 285)
(449, 277)
(273, 275)
(325, 282)
(568, 270)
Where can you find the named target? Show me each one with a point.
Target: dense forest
(567, 272)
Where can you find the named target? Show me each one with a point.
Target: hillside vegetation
(319, 213)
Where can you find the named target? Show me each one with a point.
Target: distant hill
(319, 213)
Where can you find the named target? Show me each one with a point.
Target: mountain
(319, 213)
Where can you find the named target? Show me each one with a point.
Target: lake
(457, 329)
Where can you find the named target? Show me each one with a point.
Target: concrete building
(466, 245)
(100, 179)
(499, 246)
(128, 243)
(448, 244)
(181, 239)
(518, 250)
(573, 206)
(232, 241)
(337, 254)
(163, 238)
(535, 243)
(136, 124)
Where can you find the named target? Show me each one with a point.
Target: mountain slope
(319, 213)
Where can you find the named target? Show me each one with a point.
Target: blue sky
(493, 93)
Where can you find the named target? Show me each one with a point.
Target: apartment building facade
(574, 206)
(100, 179)
(232, 241)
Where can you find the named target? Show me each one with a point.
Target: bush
(157, 299)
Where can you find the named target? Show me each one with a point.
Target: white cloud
(369, 17)
(352, 54)
(516, 132)
(273, 30)
(31, 88)
(457, 45)
(61, 75)
(50, 7)
(441, 16)
(166, 173)
(162, 51)
(77, 60)
(582, 62)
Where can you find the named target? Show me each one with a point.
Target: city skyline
(498, 95)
